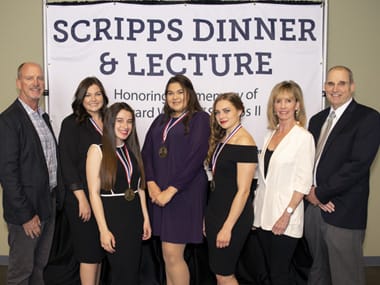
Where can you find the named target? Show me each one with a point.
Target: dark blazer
(74, 140)
(24, 174)
(342, 174)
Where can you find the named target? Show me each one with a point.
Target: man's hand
(312, 198)
(32, 227)
(329, 207)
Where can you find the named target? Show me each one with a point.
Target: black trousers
(278, 252)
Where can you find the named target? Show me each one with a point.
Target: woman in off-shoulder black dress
(229, 215)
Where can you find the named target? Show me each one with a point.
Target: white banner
(134, 49)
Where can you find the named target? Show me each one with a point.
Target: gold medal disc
(129, 194)
(163, 152)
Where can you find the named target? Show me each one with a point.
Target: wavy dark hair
(77, 105)
(217, 132)
(108, 166)
(193, 105)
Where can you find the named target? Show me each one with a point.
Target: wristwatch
(289, 210)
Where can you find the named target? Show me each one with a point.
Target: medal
(129, 194)
(212, 185)
(125, 160)
(163, 152)
(217, 152)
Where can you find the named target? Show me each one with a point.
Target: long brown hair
(108, 166)
(217, 132)
(193, 105)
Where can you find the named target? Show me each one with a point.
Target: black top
(121, 183)
(267, 156)
(225, 176)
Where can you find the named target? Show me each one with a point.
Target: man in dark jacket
(347, 135)
(28, 176)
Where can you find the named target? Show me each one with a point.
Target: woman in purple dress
(173, 153)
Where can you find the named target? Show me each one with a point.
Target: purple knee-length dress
(180, 221)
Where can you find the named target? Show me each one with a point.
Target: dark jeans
(28, 257)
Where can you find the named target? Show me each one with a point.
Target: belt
(115, 194)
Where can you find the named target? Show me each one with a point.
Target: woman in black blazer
(78, 131)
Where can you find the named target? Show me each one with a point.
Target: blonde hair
(294, 89)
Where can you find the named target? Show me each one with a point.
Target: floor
(372, 275)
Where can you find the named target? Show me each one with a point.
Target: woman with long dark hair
(78, 131)
(174, 149)
(116, 183)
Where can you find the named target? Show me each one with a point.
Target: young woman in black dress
(78, 131)
(116, 180)
(229, 215)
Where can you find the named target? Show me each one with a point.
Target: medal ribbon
(169, 125)
(127, 164)
(220, 147)
(96, 126)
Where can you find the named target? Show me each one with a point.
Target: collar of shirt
(29, 110)
(339, 111)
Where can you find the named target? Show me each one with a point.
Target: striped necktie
(324, 134)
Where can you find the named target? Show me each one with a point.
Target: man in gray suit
(347, 135)
(28, 176)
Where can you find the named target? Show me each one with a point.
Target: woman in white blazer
(285, 176)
